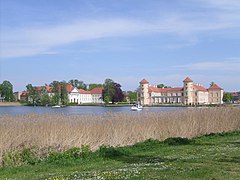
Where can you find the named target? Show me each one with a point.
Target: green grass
(214, 156)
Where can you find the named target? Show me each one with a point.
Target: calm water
(79, 110)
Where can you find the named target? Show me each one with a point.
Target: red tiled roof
(96, 91)
(187, 80)
(81, 91)
(49, 88)
(24, 93)
(199, 88)
(163, 90)
(39, 88)
(69, 87)
(144, 81)
(214, 87)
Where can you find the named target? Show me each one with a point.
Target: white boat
(57, 106)
(136, 107)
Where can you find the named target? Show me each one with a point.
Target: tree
(132, 96)
(212, 83)
(44, 97)
(56, 91)
(33, 93)
(64, 93)
(162, 86)
(92, 86)
(227, 97)
(60, 92)
(118, 94)
(78, 84)
(6, 91)
(112, 91)
(108, 90)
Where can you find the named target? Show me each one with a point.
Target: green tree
(56, 92)
(132, 96)
(6, 91)
(92, 86)
(227, 97)
(33, 93)
(108, 90)
(112, 91)
(78, 84)
(44, 98)
(64, 93)
(162, 86)
(60, 92)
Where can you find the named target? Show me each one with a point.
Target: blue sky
(91, 40)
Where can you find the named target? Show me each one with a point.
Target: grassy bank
(214, 156)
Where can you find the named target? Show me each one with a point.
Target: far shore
(10, 104)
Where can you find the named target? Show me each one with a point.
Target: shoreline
(10, 104)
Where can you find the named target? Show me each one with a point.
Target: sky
(163, 41)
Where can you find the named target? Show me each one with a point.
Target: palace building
(189, 94)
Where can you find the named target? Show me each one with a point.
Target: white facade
(83, 97)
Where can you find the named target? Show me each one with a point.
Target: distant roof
(69, 87)
(163, 90)
(187, 80)
(144, 81)
(199, 88)
(214, 87)
(96, 90)
(82, 91)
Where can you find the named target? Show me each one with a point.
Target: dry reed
(116, 129)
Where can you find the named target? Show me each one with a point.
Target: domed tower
(188, 91)
(143, 92)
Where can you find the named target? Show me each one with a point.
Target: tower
(188, 91)
(144, 94)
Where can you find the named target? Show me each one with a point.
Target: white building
(189, 94)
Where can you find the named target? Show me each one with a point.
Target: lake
(74, 110)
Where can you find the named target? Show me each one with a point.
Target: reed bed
(60, 132)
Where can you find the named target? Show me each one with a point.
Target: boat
(57, 106)
(136, 107)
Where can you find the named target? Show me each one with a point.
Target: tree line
(112, 92)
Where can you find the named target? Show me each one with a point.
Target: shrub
(70, 154)
(109, 152)
(177, 141)
(17, 158)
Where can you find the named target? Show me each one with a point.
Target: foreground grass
(214, 156)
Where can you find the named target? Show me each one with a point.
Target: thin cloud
(232, 65)
(29, 41)
(223, 4)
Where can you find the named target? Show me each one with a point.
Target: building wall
(215, 96)
(144, 94)
(189, 96)
(202, 97)
(188, 93)
(76, 97)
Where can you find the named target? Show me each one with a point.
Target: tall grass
(60, 132)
